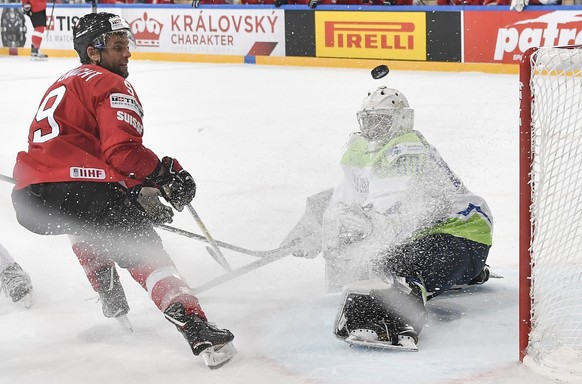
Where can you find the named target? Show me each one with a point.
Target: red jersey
(88, 127)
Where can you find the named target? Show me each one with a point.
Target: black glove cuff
(152, 179)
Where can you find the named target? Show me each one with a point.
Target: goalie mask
(385, 114)
(93, 29)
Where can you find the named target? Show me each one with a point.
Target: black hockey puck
(380, 71)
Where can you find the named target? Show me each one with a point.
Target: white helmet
(385, 113)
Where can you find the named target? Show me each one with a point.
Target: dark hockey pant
(105, 227)
(441, 260)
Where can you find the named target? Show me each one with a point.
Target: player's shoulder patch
(124, 101)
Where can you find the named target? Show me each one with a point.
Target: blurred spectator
(518, 5)
(337, 2)
(459, 2)
(258, 2)
(119, 1)
(391, 2)
(198, 2)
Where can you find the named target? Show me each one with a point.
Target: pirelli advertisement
(374, 35)
(412, 33)
(388, 35)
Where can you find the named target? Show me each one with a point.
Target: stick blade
(220, 259)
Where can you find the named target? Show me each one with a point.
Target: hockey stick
(266, 257)
(48, 29)
(269, 257)
(8, 179)
(222, 244)
(214, 251)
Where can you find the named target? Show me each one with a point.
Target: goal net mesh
(555, 339)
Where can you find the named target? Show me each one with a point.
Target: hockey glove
(26, 9)
(147, 199)
(176, 185)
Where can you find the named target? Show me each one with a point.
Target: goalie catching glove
(175, 184)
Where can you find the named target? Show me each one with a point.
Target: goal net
(551, 211)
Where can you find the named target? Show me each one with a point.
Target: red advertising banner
(503, 36)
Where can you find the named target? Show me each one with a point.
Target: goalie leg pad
(380, 315)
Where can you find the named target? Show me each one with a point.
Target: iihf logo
(86, 173)
(146, 31)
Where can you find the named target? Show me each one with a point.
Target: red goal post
(550, 213)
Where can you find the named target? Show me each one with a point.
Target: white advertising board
(254, 32)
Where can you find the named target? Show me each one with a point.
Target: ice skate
(37, 55)
(112, 296)
(482, 277)
(205, 339)
(16, 284)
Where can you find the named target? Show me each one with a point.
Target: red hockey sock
(91, 262)
(166, 286)
(37, 35)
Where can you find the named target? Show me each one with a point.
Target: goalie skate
(369, 339)
(480, 279)
(218, 355)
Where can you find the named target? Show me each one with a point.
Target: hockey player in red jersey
(36, 10)
(87, 174)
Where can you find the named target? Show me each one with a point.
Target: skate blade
(493, 275)
(124, 321)
(27, 300)
(405, 343)
(218, 355)
(36, 58)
